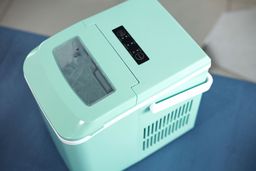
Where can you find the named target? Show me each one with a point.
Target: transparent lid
(81, 72)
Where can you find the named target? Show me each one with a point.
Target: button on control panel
(131, 45)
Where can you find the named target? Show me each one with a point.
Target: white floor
(50, 16)
(198, 17)
(232, 44)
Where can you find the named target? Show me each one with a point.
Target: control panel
(131, 45)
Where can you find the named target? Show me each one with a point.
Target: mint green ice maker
(118, 86)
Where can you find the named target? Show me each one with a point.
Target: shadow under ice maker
(118, 86)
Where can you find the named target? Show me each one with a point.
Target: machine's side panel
(113, 149)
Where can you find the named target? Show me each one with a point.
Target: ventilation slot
(166, 125)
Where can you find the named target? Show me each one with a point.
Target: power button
(139, 56)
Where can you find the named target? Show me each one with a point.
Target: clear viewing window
(81, 72)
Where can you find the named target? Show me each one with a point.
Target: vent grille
(166, 125)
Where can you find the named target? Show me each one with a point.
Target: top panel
(172, 53)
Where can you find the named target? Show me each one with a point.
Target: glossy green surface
(121, 145)
(173, 55)
(70, 117)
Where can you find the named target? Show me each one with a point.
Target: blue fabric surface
(223, 139)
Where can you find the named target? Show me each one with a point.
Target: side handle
(158, 107)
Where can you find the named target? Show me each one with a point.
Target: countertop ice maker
(118, 86)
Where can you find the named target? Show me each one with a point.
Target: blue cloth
(223, 139)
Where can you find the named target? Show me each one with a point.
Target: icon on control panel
(121, 33)
(139, 56)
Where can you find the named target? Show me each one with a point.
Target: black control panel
(129, 43)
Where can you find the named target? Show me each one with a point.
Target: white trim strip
(135, 108)
(128, 112)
